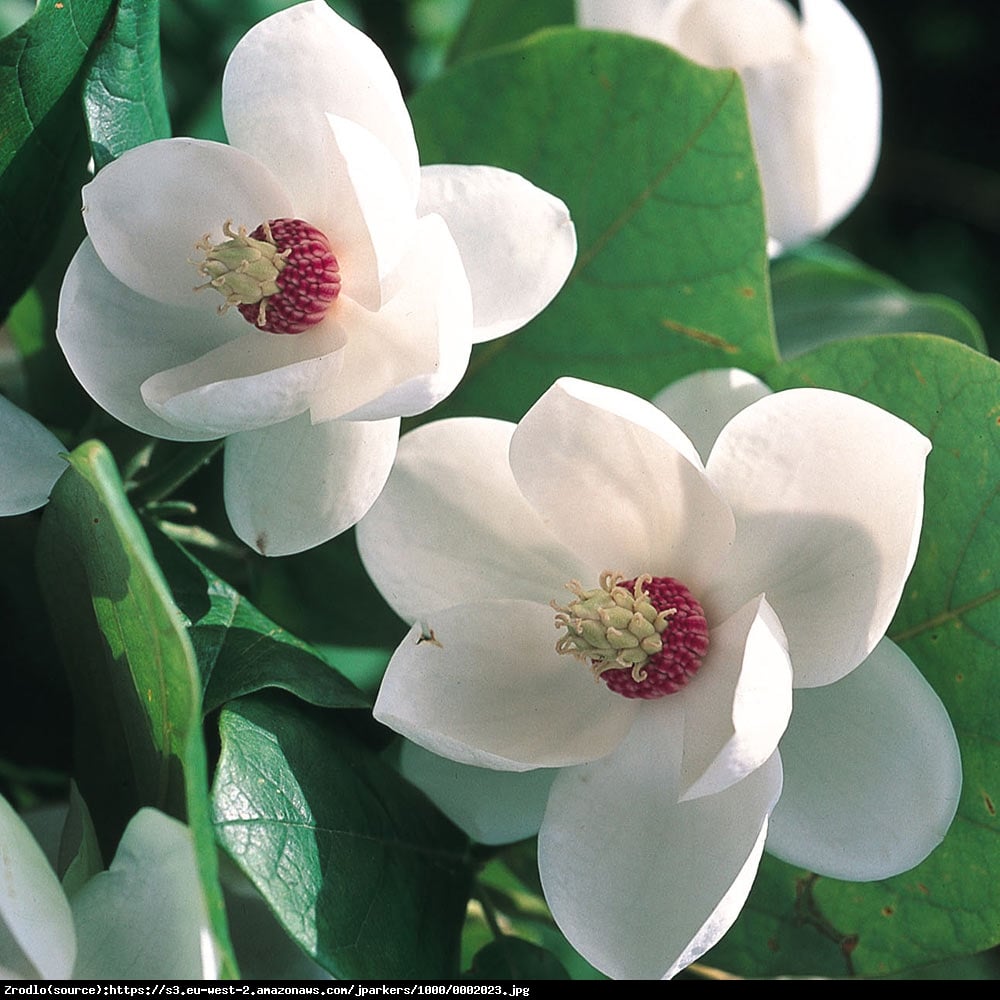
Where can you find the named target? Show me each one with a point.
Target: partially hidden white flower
(143, 918)
(813, 92)
(30, 461)
(781, 538)
(353, 282)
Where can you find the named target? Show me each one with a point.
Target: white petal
(617, 482)
(636, 17)
(254, 381)
(872, 773)
(451, 525)
(345, 183)
(115, 339)
(146, 211)
(293, 485)
(145, 918)
(703, 403)
(780, 105)
(728, 909)
(492, 807)
(408, 356)
(29, 456)
(848, 107)
(517, 241)
(36, 925)
(368, 213)
(724, 34)
(482, 684)
(828, 496)
(637, 881)
(296, 66)
(737, 705)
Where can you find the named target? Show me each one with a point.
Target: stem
(175, 471)
(489, 911)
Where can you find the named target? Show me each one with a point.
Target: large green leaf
(949, 624)
(652, 154)
(43, 149)
(359, 868)
(819, 296)
(123, 93)
(131, 668)
(239, 649)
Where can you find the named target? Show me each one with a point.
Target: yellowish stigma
(243, 270)
(611, 626)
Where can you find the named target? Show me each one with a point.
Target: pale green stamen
(612, 627)
(243, 270)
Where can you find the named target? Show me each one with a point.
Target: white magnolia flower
(353, 282)
(775, 563)
(30, 460)
(143, 918)
(813, 94)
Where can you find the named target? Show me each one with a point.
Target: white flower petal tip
(768, 545)
(143, 918)
(295, 485)
(812, 88)
(747, 666)
(828, 493)
(873, 773)
(340, 297)
(31, 459)
(639, 884)
(34, 911)
(635, 461)
(492, 807)
(516, 266)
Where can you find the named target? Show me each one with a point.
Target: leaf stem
(174, 471)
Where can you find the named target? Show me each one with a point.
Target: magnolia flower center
(282, 277)
(644, 637)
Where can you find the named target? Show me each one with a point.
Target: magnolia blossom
(719, 583)
(30, 460)
(143, 918)
(351, 281)
(812, 88)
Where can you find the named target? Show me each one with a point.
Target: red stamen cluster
(307, 284)
(685, 643)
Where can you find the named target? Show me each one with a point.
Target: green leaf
(240, 650)
(820, 296)
(358, 867)
(653, 156)
(123, 93)
(25, 326)
(491, 23)
(949, 623)
(296, 591)
(509, 957)
(43, 150)
(131, 668)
